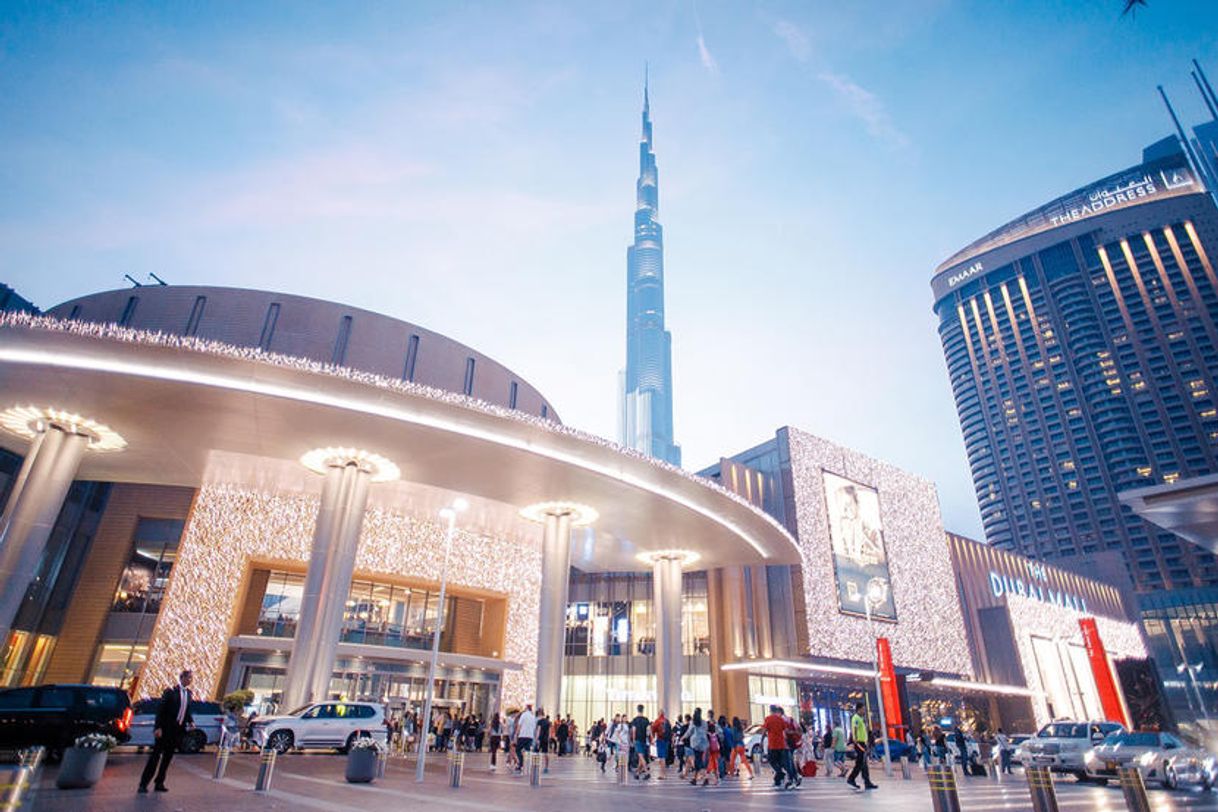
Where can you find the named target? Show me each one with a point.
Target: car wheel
(756, 754)
(1169, 777)
(193, 742)
(280, 741)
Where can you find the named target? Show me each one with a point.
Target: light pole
(1192, 670)
(876, 592)
(450, 514)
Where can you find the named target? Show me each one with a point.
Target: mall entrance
(400, 686)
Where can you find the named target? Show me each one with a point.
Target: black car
(55, 715)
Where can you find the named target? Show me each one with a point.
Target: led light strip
(17, 355)
(799, 666)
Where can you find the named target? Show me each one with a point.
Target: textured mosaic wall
(230, 525)
(929, 632)
(1031, 617)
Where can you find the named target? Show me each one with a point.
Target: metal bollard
(623, 769)
(456, 768)
(534, 768)
(382, 759)
(943, 794)
(1040, 785)
(222, 755)
(266, 768)
(31, 756)
(905, 769)
(1134, 788)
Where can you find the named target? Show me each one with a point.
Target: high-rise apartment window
(268, 326)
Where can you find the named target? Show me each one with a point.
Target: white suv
(1063, 746)
(320, 725)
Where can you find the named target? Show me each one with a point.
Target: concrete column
(666, 589)
(344, 497)
(552, 617)
(37, 497)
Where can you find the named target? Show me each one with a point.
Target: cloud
(796, 40)
(867, 107)
(708, 61)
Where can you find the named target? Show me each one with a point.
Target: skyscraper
(1082, 344)
(645, 417)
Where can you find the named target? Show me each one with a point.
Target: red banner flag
(1105, 685)
(888, 689)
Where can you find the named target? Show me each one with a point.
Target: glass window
(57, 698)
(143, 582)
(281, 605)
(118, 664)
(17, 698)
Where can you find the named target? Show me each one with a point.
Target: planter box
(361, 765)
(81, 768)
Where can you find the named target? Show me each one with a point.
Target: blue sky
(470, 167)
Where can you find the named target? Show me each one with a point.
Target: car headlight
(1147, 759)
(1090, 757)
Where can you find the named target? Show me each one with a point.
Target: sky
(469, 167)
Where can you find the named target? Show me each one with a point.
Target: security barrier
(222, 754)
(382, 760)
(1134, 788)
(266, 769)
(533, 765)
(622, 769)
(1040, 785)
(905, 769)
(456, 768)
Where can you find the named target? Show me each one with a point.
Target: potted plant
(362, 758)
(84, 761)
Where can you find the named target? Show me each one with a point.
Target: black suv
(55, 715)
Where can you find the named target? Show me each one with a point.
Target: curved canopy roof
(179, 401)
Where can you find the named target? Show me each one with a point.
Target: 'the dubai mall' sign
(1036, 587)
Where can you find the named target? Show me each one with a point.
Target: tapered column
(666, 591)
(551, 622)
(59, 441)
(344, 498)
(556, 519)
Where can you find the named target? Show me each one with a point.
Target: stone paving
(316, 782)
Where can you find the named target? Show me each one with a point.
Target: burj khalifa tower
(645, 417)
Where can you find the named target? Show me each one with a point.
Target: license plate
(1043, 759)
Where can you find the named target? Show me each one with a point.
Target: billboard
(859, 555)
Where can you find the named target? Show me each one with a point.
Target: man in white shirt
(526, 729)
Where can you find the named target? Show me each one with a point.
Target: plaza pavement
(315, 782)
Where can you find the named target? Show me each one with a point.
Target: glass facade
(610, 646)
(1182, 634)
(137, 602)
(1085, 368)
(376, 613)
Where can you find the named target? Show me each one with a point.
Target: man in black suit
(172, 720)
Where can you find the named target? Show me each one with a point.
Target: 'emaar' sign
(1007, 585)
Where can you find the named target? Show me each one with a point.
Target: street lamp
(1193, 670)
(877, 591)
(449, 514)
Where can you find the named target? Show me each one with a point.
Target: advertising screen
(859, 555)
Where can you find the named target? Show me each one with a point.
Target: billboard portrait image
(857, 536)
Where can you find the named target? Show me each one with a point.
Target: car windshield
(1133, 739)
(1063, 730)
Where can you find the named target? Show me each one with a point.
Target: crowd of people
(701, 748)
